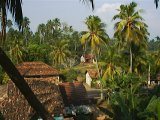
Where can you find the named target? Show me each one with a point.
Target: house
(73, 93)
(87, 58)
(90, 75)
(38, 70)
(43, 80)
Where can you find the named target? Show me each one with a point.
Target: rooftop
(35, 69)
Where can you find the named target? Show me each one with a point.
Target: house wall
(88, 79)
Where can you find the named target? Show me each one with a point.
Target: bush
(70, 75)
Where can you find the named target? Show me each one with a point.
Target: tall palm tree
(156, 2)
(113, 61)
(14, 6)
(95, 35)
(26, 29)
(16, 52)
(41, 31)
(9, 24)
(60, 52)
(157, 38)
(56, 23)
(130, 27)
(25, 22)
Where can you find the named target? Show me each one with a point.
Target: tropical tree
(113, 63)
(130, 27)
(16, 47)
(16, 52)
(26, 30)
(9, 24)
(60, 52)
(16, 11)
(25, 22)
(95, 35)
(56, 23)
(41, 31)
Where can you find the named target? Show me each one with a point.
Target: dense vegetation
(125, 62)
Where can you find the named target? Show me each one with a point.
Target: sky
(74, 13)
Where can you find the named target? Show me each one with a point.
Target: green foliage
(131, 29)
(60, 53)
(1, 116)
(70, 75)
(95, 35)
(5, 78)
(154, 44)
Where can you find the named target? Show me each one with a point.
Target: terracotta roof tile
(89, 56)
(93, 73)
(30, 69)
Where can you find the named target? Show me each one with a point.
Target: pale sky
(74, 13)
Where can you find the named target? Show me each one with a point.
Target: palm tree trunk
(22, 85)
(149, 74)
(99, 75)
(131, 60)
(3, 24)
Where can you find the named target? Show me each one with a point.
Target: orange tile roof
(93, 73)
(30, 69)
(89, 56)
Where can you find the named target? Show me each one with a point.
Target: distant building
(88, 79)
(42, 79)
(90, 75)
(82, 59)
(87, 58)
(73, 93)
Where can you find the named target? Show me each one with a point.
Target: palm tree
(156, 2)
(16, 47)
(15, 9)
(130, 27)
(16, 52)
(112, 60)
(89, 1)
(60, 52)
(9, 24)
(25, 22)
(41, 31)
(26, 29)
(56, 23)
(95, 35)
(157, 38)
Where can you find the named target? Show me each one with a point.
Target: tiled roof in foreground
(31, 69)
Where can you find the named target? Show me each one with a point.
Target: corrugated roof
(30, 69)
